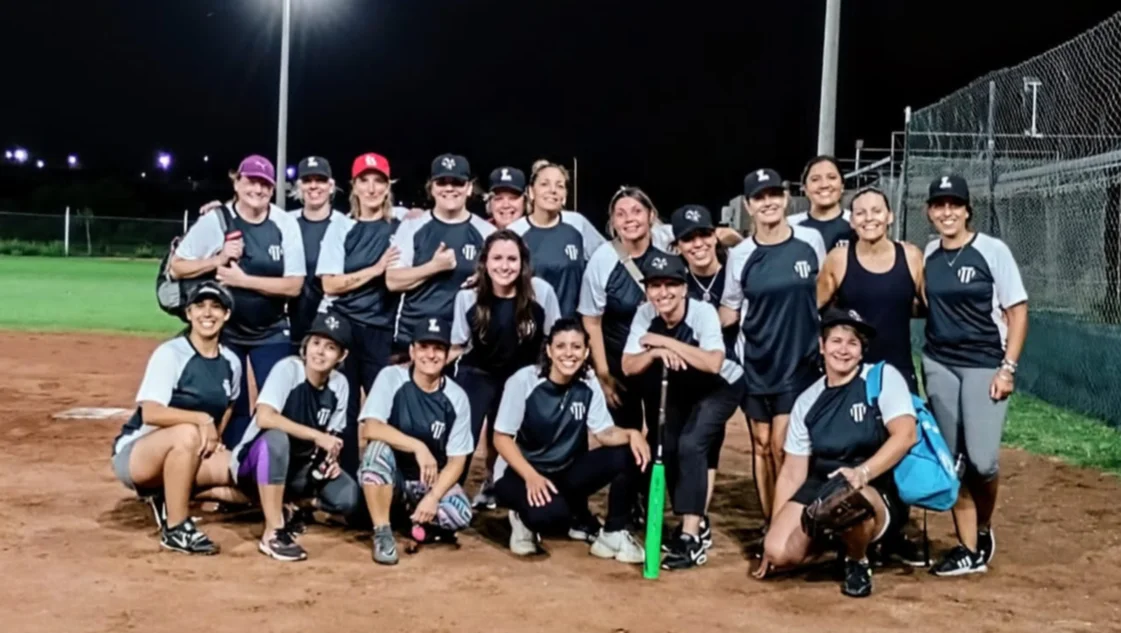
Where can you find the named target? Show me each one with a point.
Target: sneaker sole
(580, 535)
(181, 550)
(264, 549)
(856, 595)
(609, 554)
(980, 569)
(385, 561)
(684, 564)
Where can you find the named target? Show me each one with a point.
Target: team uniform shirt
(418, 239)
(700, 328)
(273, 248)
(442, 419)
(549, 422)
(288, 391)
(179, 377)
(835, 426)
(711, 289)
(302, 309)
(835, 232)
(774, 287)
(499, 351)
(560, 253)
(967, 290)
(349, 246)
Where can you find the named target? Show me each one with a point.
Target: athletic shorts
(764, 407)
(897, 513)
(120, 465)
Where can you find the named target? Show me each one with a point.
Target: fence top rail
(177, 221)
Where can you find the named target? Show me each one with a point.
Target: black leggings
(484, 393)
(369, 354)
(587, 474)
(694, 433)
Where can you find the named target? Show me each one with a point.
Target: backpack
(171, 294)
(926, 476)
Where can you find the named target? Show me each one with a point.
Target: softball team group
(387, 344)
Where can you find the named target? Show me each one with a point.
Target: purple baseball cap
(257, 167)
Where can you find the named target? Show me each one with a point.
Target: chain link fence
(82, 233)
(1040, 145)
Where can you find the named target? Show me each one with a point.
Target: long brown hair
(523, 288)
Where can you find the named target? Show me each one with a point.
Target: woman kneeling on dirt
(291, 447)
(172, 443)
(834, 432)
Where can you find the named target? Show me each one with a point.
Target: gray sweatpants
(970, 421)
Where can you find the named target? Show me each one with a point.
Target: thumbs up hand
(444, 257)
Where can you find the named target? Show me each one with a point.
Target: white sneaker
(619, 545)
(523, 542)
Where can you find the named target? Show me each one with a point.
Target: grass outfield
(109, 295)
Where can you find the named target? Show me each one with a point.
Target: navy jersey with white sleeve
(302, 309)
(700, 328)
(549, 422)
(560, 254)
(967, 291)
(350, 245)
(418, 239)
(442, 419)
(179, 377)
(273, 248)
(506, 346)
(774, 287)
(834, 233)
(713, 290)
(288, 391)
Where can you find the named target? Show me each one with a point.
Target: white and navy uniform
(442, 420)
(834, 233)
(836, 427)
(179, 377)
(712, 289)
(774, 287)
(610, 292)
(967, 291)
(258, 330)
(302, 309)
(351, 245)
(698, 404)
(418, 239)
(273, 457)
(490, 358)
(550, 423)
(560, 254)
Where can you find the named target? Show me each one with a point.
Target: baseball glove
(836, 508)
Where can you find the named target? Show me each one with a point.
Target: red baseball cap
(369, 162)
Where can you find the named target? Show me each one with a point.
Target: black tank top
(885, 300)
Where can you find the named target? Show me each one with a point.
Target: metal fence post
(906, 184)
(66, 233)
(993, 227)
(186, 214)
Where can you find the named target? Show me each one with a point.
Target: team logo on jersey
(693, 215)
(275, 252)
(438, 429)
(332, 323)
(433, 326)
(762, 176)
(659, 263)
(505, 177)
(572, 251)
(842, 243)
(448, 162)
(578, 410)
(858, 411)
(469, 251)
(227, 388)
(945, 184)
(966, 274)
(323, 416)
(802, 267)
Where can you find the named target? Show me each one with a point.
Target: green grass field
(109, 295)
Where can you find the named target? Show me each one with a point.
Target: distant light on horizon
(164, 161)
(143, 174)
(72, 160)
(291, 172)
(206, 159)
(8, 155)
(40, 164)
(20, 155)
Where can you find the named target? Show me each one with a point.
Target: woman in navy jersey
(773, 277)
(260, 257)
(315, 189)
(438, 250)
(357, 251)
(172, 443)
(879, 278)
(561, 241)
(545, 471)
(975, 331)
(825, 186)
(506, 196)
(498, 328)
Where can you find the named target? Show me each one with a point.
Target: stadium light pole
(282, 118)
(827, 113)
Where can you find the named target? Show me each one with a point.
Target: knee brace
(379, 466)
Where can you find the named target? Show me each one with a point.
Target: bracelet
(1009, 365)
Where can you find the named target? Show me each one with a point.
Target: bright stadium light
(20, 155)
(206, 159)
(40, 164)
(72, 160)
(8, 154)
(143, 174)
(163, 160)
(291, 173)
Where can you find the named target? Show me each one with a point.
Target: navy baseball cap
(836, 316)
(510, 178)
(210, 289)
(332, 326)
(760, 180)
(691, 218)
(451, 166)
(663, 266)
(432, 330)
(313, 166)
(952, 186)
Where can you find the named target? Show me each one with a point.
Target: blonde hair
(539, 166)
(386, 205)
(298, 195)
(635, 193)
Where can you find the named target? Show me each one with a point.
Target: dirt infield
(78, 553)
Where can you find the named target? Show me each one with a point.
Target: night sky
(681, 98)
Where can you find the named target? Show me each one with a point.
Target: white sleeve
(461, 329)
(460, 441)
(599, 419)
(797, 435)
(593, 239)
(160, 377)
(710, 338)
(399, 213)
(593, 287)
(337, 423)
(661, 236)
(379, 402)
(640, 325)
(235, 369)
(284, 377)
(547, 298)
(895, 395)
(1006, 277)
(403, 240)
(292, 243)
(511, 410)
(733, 281)
(332, 250)
(815, 240)
(204, 239)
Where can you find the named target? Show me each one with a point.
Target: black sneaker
(986, 545)
(706, 533)
(959, 562)
(901, 549)
(158, 505)
(671, 541)
(188, 539)
(295, 520)
(685, 552)
(858, 578)
(280, 546)
(584, 527)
